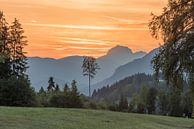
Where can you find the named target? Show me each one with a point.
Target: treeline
(126, 87)
(150, 100)
(15, 87)
(140, 93)
(68, 97)
(65, 97)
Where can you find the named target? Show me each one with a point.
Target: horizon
(58, 29)
(133, 52)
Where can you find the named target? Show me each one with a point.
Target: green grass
(52, 118)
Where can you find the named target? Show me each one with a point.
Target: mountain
(66, 69)
(142, 65)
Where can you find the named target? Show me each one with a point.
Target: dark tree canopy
(51, 84)
(18, 42)
(5, 61)
(90, 66)
(176, 27)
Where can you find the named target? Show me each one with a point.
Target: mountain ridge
(69, 68)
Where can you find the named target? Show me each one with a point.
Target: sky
(60, 28)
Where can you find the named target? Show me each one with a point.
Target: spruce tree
(51, 84)
(5, 61)
(18, 42)
(57, 88)
(123, 103)
(74, 96)
(66, 89)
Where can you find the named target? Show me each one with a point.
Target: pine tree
(18, 42)
(74, 96)
(41, 91)
(74, 91)
(57, 89)
(5, 63)
(90, 67)
(123, 103)
(66, 89)
(51, 85)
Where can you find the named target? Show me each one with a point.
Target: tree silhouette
(18, 42)
(51, 86)
(176, 27)
(5, 61)
(90, 67)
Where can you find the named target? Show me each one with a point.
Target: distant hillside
(126, 87)
(66, 69)
(142, 65)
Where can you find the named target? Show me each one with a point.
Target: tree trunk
(89, 87)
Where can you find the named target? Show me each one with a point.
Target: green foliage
(15, 87)
(16, 92)
(139, 101)
(151, 100)
(191, 84)
(123, 104)
(176, 25)
(163, 100)
(187, 105)
(126, 87)
(5, 63)
(175, 102)
(69, 98)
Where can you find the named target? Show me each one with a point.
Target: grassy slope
(52, 118)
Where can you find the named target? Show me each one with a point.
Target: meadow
(58, 118)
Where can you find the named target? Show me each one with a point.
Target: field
(53, 118)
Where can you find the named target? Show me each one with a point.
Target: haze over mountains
(66, 69)
(141, 65)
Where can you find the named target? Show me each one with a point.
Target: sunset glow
(59, 28)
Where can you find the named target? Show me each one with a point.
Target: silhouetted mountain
(66, 69)
(142, 65)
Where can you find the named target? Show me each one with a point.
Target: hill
(52, 118)
(66, 69)
(141, 65)
(126, 87)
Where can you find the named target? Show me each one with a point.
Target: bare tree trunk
(89, 87)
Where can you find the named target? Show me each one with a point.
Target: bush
(62, 100)
(16, 92)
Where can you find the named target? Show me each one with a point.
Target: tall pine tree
(5, 64)
(18, 42)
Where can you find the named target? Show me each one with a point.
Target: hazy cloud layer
(77, 27)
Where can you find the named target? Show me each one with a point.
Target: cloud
(126, 21)
(85, 27)
(84, 41)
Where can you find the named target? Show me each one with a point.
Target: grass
(53, 118)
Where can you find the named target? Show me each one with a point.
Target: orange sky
(59, 28)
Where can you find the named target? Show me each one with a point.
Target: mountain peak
(120, 50)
